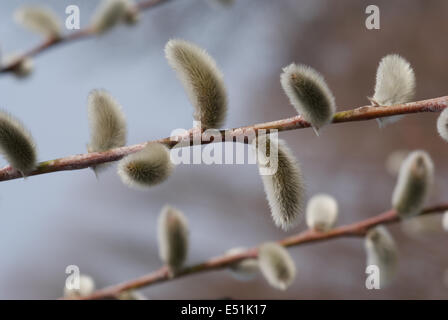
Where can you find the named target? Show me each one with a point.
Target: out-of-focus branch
(357, 229)
(86, 160)
(78, 35)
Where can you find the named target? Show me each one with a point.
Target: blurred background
(50, 221)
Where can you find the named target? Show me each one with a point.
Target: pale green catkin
(202, 81)
(276, 265)
(173, 236)
(150, 166)
(282, 179)
(395, 84)
(321, 212)
(17, 144)
(39, 19)
(414, 182)
(110, 13)
(381, 252)
(245, 269)
(309, 94)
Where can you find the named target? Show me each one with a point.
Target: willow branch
(357, 229)
(82, 161)
(78, 35)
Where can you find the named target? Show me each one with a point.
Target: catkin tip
(39, 19)
(172, 237)
(414, 182)
(17, 144)
(282, 179)
(107, 123)
(202, 81)
(381, 252)
(321, 212)
(276, 265)
(309, 94)
(150, 166)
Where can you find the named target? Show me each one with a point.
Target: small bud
(108, 14)
(131, 295)
(172, 237)
(445, 221)
(150, 166)
(17, 144)
(395, 84)
(38, 19)
(321, 212)
(442, 124)
(245, 269)
(381, 252)
(414, 182)
(283, 183)
(277, 265)
(202, 81)
(309, 94)
(107, 123)
(86, 287)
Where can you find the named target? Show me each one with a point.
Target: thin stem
(77, 35)
(357, 229)
(86, 160)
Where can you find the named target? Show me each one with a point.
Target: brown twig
(77, 35)
(86, 160)
(357, 229)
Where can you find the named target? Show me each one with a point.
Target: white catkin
(276, 265)
(148, 167)
(442, 124)
(131, 295)
(245, 269)
(23, 69)
(395, 84)
(39, 19)
(17, 144)
(202, 81)
(172, 236)
(86, 287)
(309, 94)
(445, 221)
(282, 179)
(381, 252)
(414, 182)
(106, 121)
(110, 13)
(321, 212)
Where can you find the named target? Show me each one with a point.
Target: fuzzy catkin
(245, 269)
(283, 184)
(150, 166)
(395, 84)
(106, 121)
(39, 19)
(414, 183)
(110, 13)
(442, 124)
(172, 235)
(381, 252)
(309, 94)
(202, 81)
(16, 144)
(321, 212)
(276, 265)
(86, 287)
